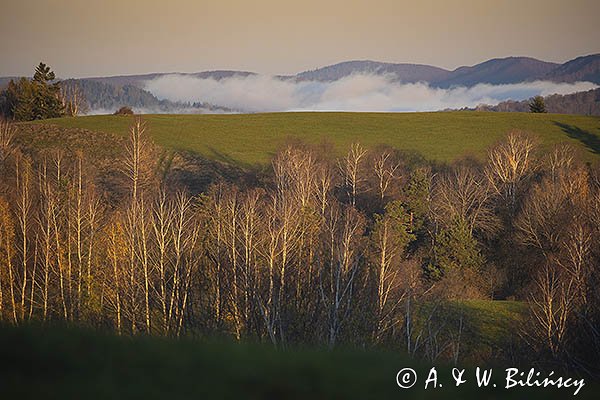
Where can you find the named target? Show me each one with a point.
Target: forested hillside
(106, 98)
(583, 103)
(364, 249)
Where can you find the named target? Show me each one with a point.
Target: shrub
(124, 111)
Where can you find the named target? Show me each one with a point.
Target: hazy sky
(91, 38)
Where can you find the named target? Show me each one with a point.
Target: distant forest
(584, 103)
(94, 96)
(106, 97)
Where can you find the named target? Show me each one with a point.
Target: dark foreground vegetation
(61, 363)
(367, 250)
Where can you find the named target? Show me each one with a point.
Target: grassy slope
(489, 327)
(443, 136)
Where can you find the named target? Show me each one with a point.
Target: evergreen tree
(537, 105)
(43, 74)
(416, 198)
(398, 223)
(38, 98)
(455, 248)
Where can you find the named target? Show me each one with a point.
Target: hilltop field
(250, 139)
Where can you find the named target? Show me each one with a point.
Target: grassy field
(253, 138)
(490, 327)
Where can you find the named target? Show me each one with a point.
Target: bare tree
(7, 252)
(577, 258)
(161, 227)
(385, 170)
(388, 248)
(271, 251)
(140, 160)
(552, 305)
(115, 279)
(24, 204)
(510, 163)
(559, 160)
(350, 168)
(48, 207)
(73, 99)
(462, 194)
(7, 134)
(213, 212)
(324, 183)
(345, 228)
(295, 171)
(541, 222)
(184, 239)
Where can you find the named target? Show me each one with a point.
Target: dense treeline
(584, 103)
(355, 250)
(101, 96)
(41, 97)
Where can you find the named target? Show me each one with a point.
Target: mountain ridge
(108, 92)
(511, 69)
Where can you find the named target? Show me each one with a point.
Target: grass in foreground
(441, 136)
(58, 362)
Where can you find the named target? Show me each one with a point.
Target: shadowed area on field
(587, 138)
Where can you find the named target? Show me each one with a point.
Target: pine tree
(537, 105)
(38, 98)
(454, 248)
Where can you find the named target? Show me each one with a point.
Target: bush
(124, 111)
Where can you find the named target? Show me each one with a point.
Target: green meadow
(249, 139)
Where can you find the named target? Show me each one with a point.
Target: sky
(80, 38)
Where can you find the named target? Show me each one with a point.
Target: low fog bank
(160, 110)
(262, 93)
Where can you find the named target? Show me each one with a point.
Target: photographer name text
(510, 378)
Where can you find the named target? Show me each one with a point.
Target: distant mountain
(586, 68)
(497, 71)
(583, 103)
(140, 80)
(408, 73)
